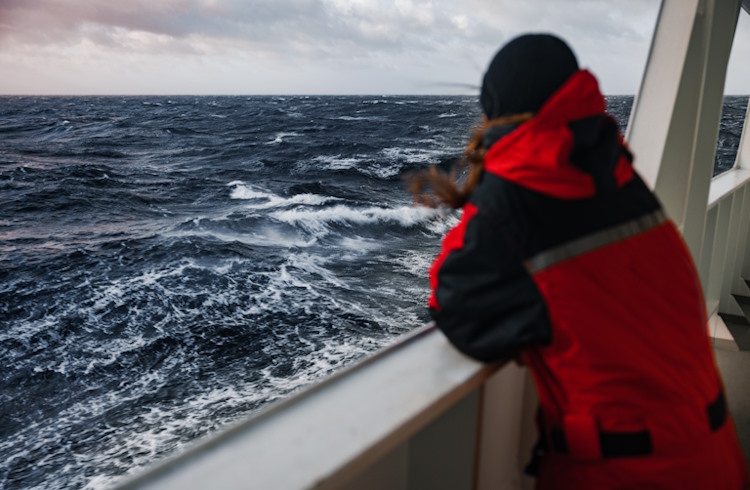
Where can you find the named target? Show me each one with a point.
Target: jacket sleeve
(483, 299)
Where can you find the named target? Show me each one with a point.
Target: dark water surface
(170, 264)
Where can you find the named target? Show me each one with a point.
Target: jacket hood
(525, 73)
(570, 149)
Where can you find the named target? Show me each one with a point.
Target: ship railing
(421, 415)
(414, 415)
(673, 132)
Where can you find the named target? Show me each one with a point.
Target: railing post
(505, 405)
(742, 203)
(743, 152)
(675, 119)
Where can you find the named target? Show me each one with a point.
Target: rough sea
(168, 265)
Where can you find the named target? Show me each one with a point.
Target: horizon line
(285, 95)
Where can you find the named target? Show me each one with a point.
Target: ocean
(169, 265)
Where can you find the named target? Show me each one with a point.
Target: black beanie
(525, 73)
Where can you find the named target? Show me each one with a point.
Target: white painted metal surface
(673, 131)
(675, 119)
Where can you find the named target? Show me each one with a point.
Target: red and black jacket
(565, 257)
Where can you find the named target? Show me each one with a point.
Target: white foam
(447, 114)
(351, 118)
(360, 164)
(413, 155)
(444, 220)
(221, 267)
(384, 172)
(358, 118)
(416, 263)
(242, 191)
(280, 138)
(337, 162)
(317, 219)
(312, 264)
(264, 237)
(374, 167)
(360, 244)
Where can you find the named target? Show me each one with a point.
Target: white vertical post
(675, 119)
(743, 152)
(727, 267)
(653, 114)
(740, 244)
(499, 467)
(720, 25)
(745, 249)
(718, 259)
(707, 253)
(743, 162)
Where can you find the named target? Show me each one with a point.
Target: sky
(170, 47)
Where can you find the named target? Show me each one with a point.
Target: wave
(372, 167)
(415, 155)
(279, 138)
(337, 162)
(416, 263)
(358, 118)
(261, 237)
(267, 200)
(317, 220)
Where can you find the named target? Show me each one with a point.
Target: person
(564, 259)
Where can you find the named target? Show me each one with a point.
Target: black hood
(525, 73)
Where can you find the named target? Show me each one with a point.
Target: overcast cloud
(304, 46)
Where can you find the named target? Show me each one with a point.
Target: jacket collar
(536, 154)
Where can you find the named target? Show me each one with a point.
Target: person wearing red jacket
(565, 259)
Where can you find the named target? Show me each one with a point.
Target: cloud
(325, 26)
(55, 21)
(418, 41)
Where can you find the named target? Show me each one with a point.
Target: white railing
(673, 131)
(421, 415)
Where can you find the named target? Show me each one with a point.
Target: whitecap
(337, 162)
(264, 237)
(242, 191)
(360, 244)
(317, 220)
(358, 118)
(279, 138)
(413, 155)
(373, 168)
